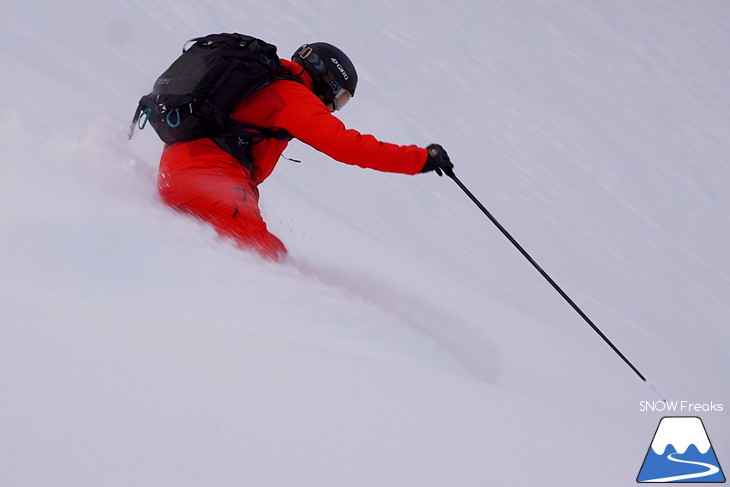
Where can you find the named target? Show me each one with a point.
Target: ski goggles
(342, 96)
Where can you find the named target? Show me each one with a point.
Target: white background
(407, 342)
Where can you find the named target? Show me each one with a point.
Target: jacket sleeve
(307, 119)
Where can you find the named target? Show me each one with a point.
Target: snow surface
(681, 432)
(407, 343)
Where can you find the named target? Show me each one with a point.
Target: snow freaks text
(682, 407)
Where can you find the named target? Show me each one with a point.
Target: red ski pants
(219, 191)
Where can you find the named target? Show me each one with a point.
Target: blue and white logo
(681, 452)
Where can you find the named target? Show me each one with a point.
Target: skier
(199, 177)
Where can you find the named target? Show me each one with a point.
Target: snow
(406, 342)
(688, 429)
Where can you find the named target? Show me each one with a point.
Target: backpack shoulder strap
(237, 138)
(288, 75)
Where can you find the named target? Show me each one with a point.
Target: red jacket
(294, 107)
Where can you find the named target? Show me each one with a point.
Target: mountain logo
(681, 452)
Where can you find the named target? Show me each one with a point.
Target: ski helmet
(331, 70)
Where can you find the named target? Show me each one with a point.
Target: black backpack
(196, 95)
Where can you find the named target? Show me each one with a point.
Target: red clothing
(204, 181)
(200, 178)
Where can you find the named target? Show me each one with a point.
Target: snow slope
(406, 343)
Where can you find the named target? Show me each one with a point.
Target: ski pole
(450, 173)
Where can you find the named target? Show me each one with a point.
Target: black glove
(438, 160)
